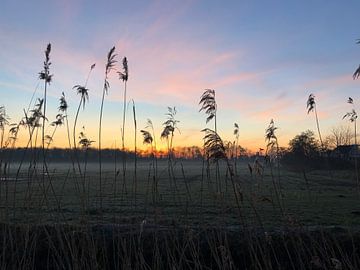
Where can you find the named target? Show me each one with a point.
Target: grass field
(191, 198)
(59, 220)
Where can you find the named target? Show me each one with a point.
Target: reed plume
(214, 145)
(270, 136)
(170, 125)
(147, 137)
(208, 104)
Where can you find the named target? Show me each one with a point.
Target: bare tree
(339, 135)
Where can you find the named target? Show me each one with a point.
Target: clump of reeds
(209, 106)
(273, 146)
(216, 151)
(150, 139)
(170, 125)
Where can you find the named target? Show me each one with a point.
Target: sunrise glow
(262, 59)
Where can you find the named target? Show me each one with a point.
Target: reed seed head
(213, 145)
(208, 104)
(310, 105)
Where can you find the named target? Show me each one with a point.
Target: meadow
(326, 200)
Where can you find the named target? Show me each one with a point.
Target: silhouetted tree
(303, 154)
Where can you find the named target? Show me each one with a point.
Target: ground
(275, 198)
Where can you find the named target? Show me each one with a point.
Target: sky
(263, 59)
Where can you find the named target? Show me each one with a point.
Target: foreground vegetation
(52, 225)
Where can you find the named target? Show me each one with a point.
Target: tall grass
(311, 106)
(47, 78)
(85, 143)
(153, 148)
(149, 138)
(83, 91)
(124, 76)
(209, 106)
(110, 65)
(135, 152)
(170, 125)
(215, 149)
(272, 144)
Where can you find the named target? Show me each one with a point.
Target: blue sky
(262, 58)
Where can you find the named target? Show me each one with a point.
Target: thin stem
(100, 160)
(74, 135)
(43, 137)
(356, 165)
(318, 127)
(123, 140)
(68, 129)
(135, 150)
